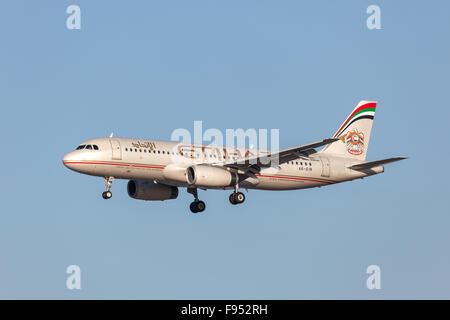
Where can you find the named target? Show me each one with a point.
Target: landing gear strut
(108, 194)
(198, 205)
(237, 197)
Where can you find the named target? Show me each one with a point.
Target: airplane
(156, 169)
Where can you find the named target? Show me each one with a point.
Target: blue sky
(145, 68)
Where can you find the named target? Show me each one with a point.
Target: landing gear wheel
(237, 197)
(201, 206)
(197, 206)
(193, 207)
(107, 195)
(232, 200)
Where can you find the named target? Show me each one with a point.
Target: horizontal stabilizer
(372, 164)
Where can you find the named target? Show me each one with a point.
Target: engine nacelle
(210, 176)
(148, 190)
(175, 173)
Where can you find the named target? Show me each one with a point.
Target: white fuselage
(166, 162)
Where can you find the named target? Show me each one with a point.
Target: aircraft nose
(68, 159)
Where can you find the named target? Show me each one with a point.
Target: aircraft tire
(197, 206)
(107, 195)
(201, 206)
(239, 197)
(232, 199)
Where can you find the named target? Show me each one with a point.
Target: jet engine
(210, 176)
(149, 190)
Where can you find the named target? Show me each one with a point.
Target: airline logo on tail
(354, 141)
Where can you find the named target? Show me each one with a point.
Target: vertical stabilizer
(354, 133)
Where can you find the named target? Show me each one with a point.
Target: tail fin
(354, 133)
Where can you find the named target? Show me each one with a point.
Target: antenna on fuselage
(111, 135)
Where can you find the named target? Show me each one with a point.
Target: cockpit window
(88, 146)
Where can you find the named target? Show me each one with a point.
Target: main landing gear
(108, 194)
(198, 205)
(237, 198)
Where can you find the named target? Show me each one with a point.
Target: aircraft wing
(253, 165)
(371, 164)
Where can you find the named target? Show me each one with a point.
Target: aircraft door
(325, 166)
(116, 151)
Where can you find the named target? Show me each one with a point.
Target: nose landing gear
(108, 194)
